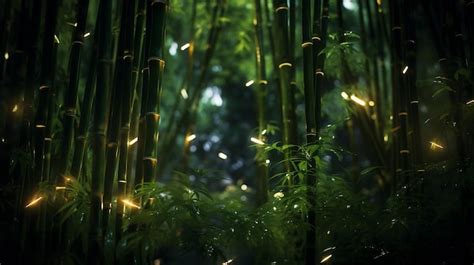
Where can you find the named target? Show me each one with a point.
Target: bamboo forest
(235, 132)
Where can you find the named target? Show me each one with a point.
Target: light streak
(256, 141)
(185, 46)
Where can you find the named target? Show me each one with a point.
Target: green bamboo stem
(261, 157)
(51, 115)
(156, 66)
(137, 79)
(85, 119)
(70, 99)
(410, 81)
(311, 133)
(320, 32)
(294, 87)
(145, 73)
(400, 112)
(284, 65)
(104, 68)
(45, 86)
(127, 28)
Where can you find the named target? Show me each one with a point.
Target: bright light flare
(130, 203)
(133, 141)
(244, 187)
(249, 83)
(56, 39)
(371, 103)
(470, 102)
(15, 108)
(87, 34)
(227, 262)
(60, 188)
(185, 46)
(222, 156)
(33, 202)
(344, 95)
(256, 141)
(358, 100)
(184, 93)
(405, 70)
(190, 138)
(6, 56)
(435, 146)
(326, 258)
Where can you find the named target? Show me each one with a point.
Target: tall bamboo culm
(156, 66)
(126, 59)
(70, 97)
(104, 39)
(283, 60)
(261, 90)
(311, 256)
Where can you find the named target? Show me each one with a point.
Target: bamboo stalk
(138, 61)
(284, 64)
(86, 113)
(410, 81)
(70, 99)
(261, 157)
(311, 133)
(320, 32)
(156, 65)
(94, 255)
(126, 60)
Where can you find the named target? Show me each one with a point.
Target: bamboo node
(404, 151)
(78, 42)
(414, 102)
(40, 126)
(151, 59)
(442, 60)
(306, 44)
(403, 113)
(43, 87)
(263, 82)
(316, 38)
(127, 56)
(48, 139)
(396, 28)
(154, 115)
(319, 72)
(293, 83)
(111, 145)
(284, 64)
(153, 160)
(280, 8)
(145, 69)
